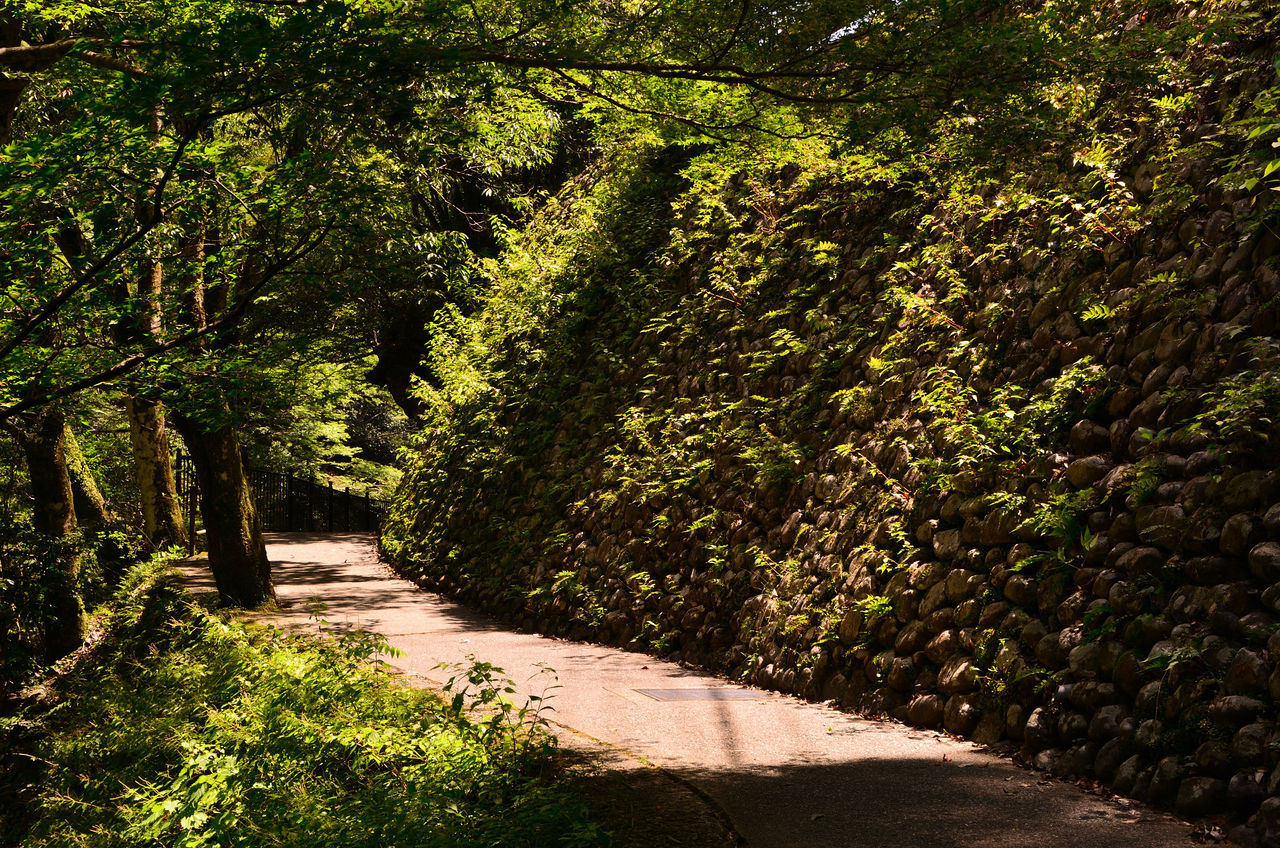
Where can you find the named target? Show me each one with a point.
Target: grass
(186, 728)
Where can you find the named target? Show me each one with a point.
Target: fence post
(329, 522)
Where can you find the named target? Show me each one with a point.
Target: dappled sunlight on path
(785, 772)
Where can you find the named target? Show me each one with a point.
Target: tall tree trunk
(237, 553)
(43, 445)
(148, 432)
(161, 506)
(92, 511)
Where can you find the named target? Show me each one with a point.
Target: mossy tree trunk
(43, 443)
(92, 510)
(237, 552)
(158, 491)
(148, 430)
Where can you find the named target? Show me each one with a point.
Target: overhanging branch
(131, 363)
(33, 58)
(149, 222)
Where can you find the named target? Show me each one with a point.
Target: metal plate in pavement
(704, 694)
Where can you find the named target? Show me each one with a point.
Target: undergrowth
(184, 728)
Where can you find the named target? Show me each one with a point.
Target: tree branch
(110, 63)
(36, 57)
(761, 81)
(708, 129)
(85, 277)
(130, 363)
(33, 58)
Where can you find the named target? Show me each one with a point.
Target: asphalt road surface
(774, 770)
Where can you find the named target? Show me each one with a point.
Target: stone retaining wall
(972, 474)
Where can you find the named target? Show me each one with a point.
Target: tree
(210, 169)
(43, 443)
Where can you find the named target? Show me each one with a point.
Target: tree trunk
(43, 445)
(11, 88)
(157, 489)
(237, 553)
(92, 511)
(161, 506)
(233, 532)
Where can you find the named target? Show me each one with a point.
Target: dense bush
(29, 564)
(184, 728)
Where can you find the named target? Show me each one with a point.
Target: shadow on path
(786, 773)
(881, 802)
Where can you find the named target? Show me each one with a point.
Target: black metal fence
(288, 503)
(184, 472)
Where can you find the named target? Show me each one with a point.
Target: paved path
(786, 773)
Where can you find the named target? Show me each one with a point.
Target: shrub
(189, 729)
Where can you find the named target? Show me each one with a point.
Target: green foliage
(327, 421)
(1144, 477)
(1098, 312)
(1259, 165)
(857, 312)
(1240, 408)
(187, 729)
(1001, 431)
(1100, 622)
(30, 564)
(1060, 516)
(874, 606)
(1001, 675)
(479, 700)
